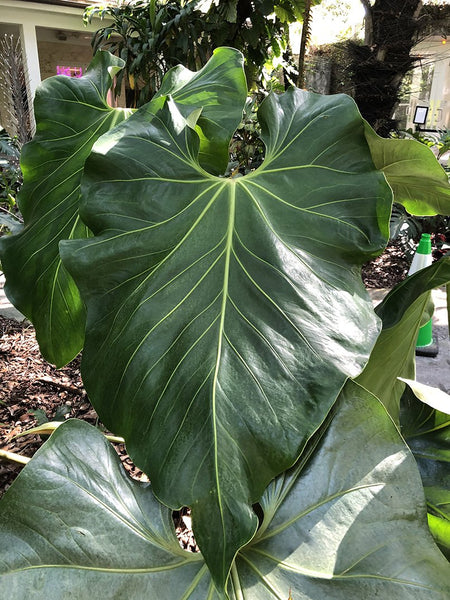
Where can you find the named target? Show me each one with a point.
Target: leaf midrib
(220, 338)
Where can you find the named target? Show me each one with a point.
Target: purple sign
(69, 71)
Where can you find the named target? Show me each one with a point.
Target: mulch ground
(32, 391)
(386, 270)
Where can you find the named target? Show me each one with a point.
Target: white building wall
(436, 54)
(29, 15)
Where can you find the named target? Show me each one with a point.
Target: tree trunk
(306, 32)
(379, 66)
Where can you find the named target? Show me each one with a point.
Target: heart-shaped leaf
(432, 396)
(71, 114)
(224, 315)
(335, 527)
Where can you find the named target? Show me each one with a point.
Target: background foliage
(152, 36)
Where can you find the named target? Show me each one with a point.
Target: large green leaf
(224, 315)
(350, 523)
(73, 525)
(427, 432)
(394, 353)
(334, 527)
(71, 114)
(411, 169)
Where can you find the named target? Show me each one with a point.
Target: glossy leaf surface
(394, 353)
(417, 179)
(334, 527)
(71, 114)
(224, 315)
(74, 526)
(350, 523)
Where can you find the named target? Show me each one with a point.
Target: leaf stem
(236, 583)
(13, 457)
(52, 426)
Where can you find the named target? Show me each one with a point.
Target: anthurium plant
(228, 338)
